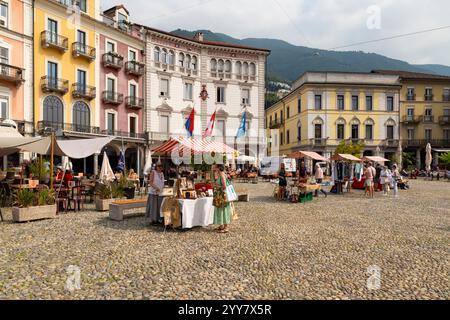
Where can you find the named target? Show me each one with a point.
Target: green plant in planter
(117, 190)
(39, 170)
(24, 198)
(104, 192)
(45, 197)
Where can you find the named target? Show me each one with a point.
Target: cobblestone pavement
(329, 249)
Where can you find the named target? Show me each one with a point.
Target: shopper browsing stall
(156, 184)
(222, 207)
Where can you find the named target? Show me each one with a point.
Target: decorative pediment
(187, 111)
(164, 108)
(341, 121)
(222, 114)
(318, 120)
(369, 121)
(390, 122)
(355, 121)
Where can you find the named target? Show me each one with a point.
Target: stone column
(203, 81)
(418, 160)
(96, 164)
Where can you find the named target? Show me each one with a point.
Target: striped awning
(307, 154)
(194, 146)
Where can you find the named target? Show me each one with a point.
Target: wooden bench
(117, 208)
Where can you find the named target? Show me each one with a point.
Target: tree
(445, 159)
(409, 160)
(350, 148)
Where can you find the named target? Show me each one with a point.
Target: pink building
(121, 88)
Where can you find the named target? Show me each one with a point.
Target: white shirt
(158, 182)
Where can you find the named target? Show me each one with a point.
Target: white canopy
(11, 140)
(244, 158)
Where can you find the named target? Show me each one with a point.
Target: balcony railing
(429, 97)
(53, 40)
(72, 3)
(11, 73)
(83, 91)
(112, 60)
(124, 134)
(427, 119)
(446, 97)
(55, 85)
(134, 102)
(135, 68)
(275, 124)
(444, 120)
(411, 97)
(67, 127)
(82, 50)
(443, 143)
(391, 143)
(318, 142)
(410, 119)
(111, 97)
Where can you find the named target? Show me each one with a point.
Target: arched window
(81, 116)
(194, 63)
(171, 58)
(156, 54)
(252, 69)
(213, 65)
(245, 69)
(220, 65)
(164, 56)
(188, 61)
(228, 66)
(238, 68)
(181, 60)
(53, 110)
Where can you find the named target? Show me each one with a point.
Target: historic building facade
(185, 74)
(424, 113)
(16, 67)
(326, 108)
(121, 87)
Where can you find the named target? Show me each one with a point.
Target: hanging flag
(243, 127)
(190, 124)
(209, 130)
(121, 163)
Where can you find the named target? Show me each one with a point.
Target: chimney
(199, 36)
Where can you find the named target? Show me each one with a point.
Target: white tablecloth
(196, 213)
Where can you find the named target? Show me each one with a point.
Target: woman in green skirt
(222, 208)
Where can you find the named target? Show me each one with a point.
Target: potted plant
(40, 171)
(30, 206)
(128, 187)
(107, 194)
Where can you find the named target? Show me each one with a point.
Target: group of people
(383, 177)
(302, 177)
(223, 209)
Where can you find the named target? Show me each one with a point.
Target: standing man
(369, 174)
(319, 180)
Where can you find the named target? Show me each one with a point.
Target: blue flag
(121, 163)
(243, 127)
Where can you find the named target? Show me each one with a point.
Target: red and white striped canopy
(194, 146)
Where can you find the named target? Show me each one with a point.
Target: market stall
(192, 199)
(345, 168)
(361, 182)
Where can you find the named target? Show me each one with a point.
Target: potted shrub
(30, 206)
(128, 187)
(107, 194)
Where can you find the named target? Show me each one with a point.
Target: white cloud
(314, 23)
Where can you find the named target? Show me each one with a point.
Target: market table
(195, 213)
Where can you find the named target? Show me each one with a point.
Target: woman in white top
(386, 179)
(156, 184)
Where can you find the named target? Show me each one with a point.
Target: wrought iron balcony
(411, 120)
(356, 141)
(276, 124)
(444, 120)
(82, 50)
(435, 143)
(319, 142)
(411, 97)
(429, 97)
(55, 85)
(11, 73)
(67, 127)
(135, 68)
(82, 91)
(72, 3)
(391, 143)
(134, 102)
(112, 60)
(53, 40)
(427, 119)
(124, 134)
(111, 97)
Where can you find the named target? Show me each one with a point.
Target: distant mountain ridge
(287, 62)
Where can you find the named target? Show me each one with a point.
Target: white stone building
(179, 69)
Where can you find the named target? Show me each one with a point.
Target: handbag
(231, 193)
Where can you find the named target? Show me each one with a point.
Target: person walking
(319, 180)
(396, 177)
(154, 202)
(282, 183)
(222, 207)
(369, 174)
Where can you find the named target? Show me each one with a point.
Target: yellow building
(326, 108)
(424, 113)
(66, 65)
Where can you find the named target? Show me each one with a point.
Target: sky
(323, 24)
